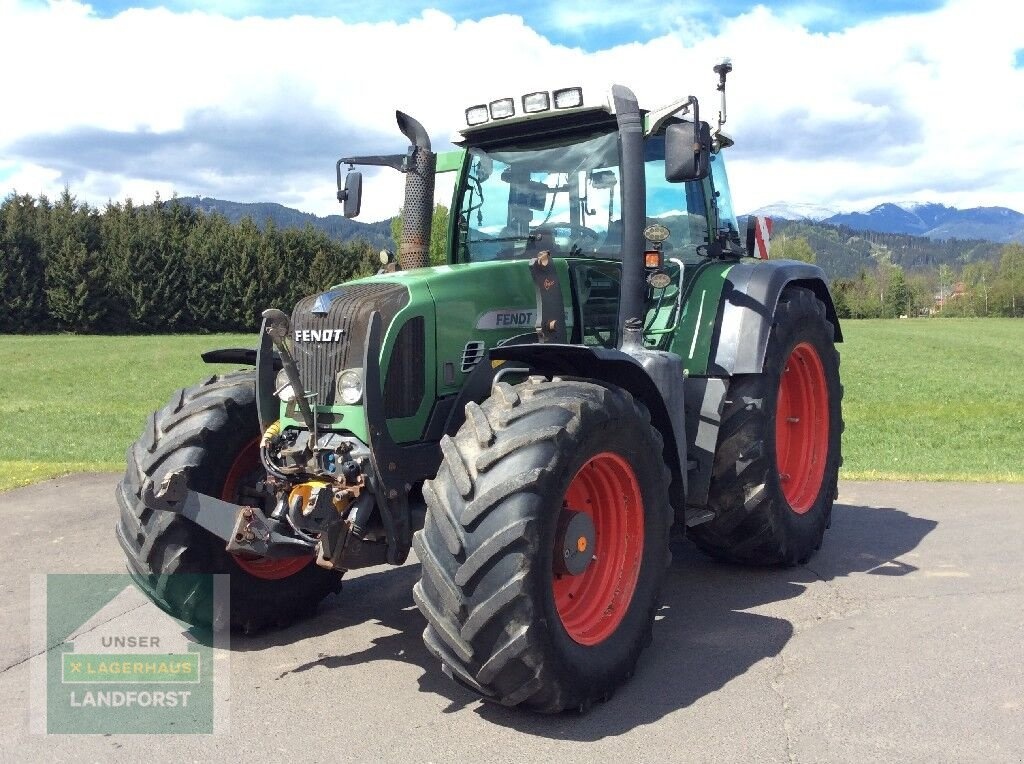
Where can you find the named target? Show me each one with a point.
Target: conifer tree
(22, 296)
(273, 269)
(74, 288)
(116, 235)
(76, 279)
(208, 247)
(240, 292)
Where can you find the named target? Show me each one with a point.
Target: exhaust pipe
(418, 209)
(634, 206)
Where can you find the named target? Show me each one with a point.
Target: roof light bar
(533, 103)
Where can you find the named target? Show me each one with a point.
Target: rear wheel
(211, 432)
(777, 461)
(545, 544)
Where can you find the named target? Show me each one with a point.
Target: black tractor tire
(203, 430)
(755, 522)
(487, 549)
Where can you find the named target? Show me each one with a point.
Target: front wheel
(211, 432)
(776, 466)
(545, 544)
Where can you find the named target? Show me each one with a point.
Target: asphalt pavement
(901, 640)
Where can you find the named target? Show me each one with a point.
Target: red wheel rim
(801, 428)
(592, 604)
(246, 469)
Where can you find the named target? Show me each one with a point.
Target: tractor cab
(552, 179)
(556, 184)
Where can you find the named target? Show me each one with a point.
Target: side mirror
(687, 151)
(759, 235)
(352, 195)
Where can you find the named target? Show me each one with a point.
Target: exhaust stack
(634, 206)
(418, 209)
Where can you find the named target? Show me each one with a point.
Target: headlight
(350, 386)
(283, 388)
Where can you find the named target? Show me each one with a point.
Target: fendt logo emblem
(319, 335)
(322, 303)
(513, 318)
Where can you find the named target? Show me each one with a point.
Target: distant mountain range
(931, 220)
(913, 236)
(938, 222)
(336, 226)
(843, 252)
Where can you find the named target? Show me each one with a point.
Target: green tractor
(605, 360)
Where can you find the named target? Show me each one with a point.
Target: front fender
(653, 377)
(267, 364)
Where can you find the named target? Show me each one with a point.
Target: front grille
(348, 309)
(405, 381)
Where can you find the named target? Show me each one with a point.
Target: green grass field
(925, 399)
(934, 399)
(73, 404)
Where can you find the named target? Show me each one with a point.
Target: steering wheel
(580, 239)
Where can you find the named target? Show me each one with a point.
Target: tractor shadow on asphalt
(704, 635)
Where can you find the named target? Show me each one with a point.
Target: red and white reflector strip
(762, 238)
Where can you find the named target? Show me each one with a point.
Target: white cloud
(579, 16)
(926, 106)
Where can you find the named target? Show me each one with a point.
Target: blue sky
(842, 104)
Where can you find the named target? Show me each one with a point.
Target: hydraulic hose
(277, 327)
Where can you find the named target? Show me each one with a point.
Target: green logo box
(116, 663)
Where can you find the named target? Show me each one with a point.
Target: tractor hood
(437, 324)
(472, 308)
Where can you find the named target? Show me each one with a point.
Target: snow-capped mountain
(795, 211)
(930, 219)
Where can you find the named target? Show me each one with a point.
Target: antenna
(722, 70)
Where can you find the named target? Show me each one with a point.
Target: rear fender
(747, 309)
(745, 317)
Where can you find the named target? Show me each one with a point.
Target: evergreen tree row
(167, 267)
(158, 268)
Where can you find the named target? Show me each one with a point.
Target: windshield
(726, 214)
(563, 196)
(560, 196)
